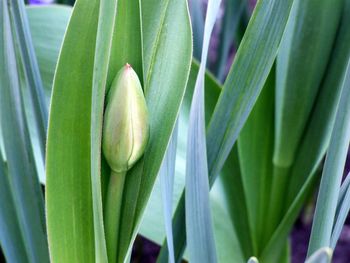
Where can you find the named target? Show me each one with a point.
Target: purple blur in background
(40, 2)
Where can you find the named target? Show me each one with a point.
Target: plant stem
(113, 212)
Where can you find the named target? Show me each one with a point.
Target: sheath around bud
(126, 124)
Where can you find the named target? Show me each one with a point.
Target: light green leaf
(332, 173)
(10, 232)
(199, 233)
(68, 187)
(167, 175)
(323, 255)
(48, 25)
(343, 208)
(24, 200)
(243, 85)
(103, 51)
(31, 71)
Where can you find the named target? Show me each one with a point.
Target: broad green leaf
(299, 73)
(160, 49)
(332, 173)
(24, 200)
(323, 255)
(166, 69)
(255, 146)
(199, 233)
(343, 208)
(316, 139)
(313, 22)
(243, 85)
(68, 166)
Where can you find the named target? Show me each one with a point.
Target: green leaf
(343, 208)
(31, 71)
(246, 79)
(167, 175)
(47, 26)
(311, 22)
(316, 139)
(166, 70)
(317, 136)
(103, 51)
(68, 187)
(243, 85)
(255, 146)
(223, 194)
(332, 173)
(197, 17)
(24, 200)
(199, 233)
(10, 232)
(71, 153)
(323, 255)
(212, 90)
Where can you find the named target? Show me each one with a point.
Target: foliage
(257, 141)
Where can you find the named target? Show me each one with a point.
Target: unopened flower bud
(126, 124)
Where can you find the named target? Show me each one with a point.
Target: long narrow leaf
(296, 92)
(304, 173)
(31, 69)
(10, 232)
(28, 204)
(200, 237)
(197, 15)
(332, 173)
(343, 208)
(104, 37)
(246, 79)
(242, 87)
(317, 135)
(167, 174)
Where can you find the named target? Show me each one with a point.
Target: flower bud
(126, 124)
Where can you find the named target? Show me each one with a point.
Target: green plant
(284, 101)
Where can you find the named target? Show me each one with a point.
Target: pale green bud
(126, 124)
